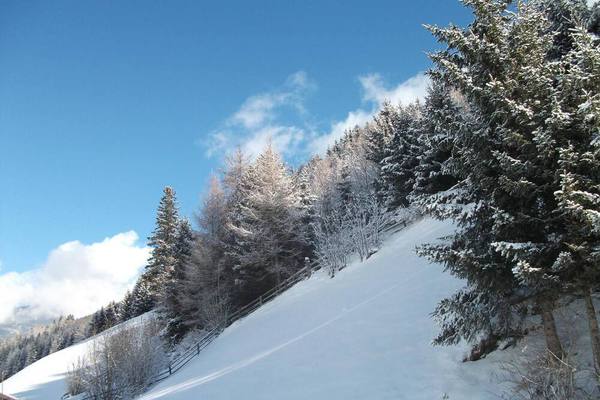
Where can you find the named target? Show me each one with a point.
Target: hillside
(46, 378)
(364, 334)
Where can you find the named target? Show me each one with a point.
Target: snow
(46, 378)
(364, 334)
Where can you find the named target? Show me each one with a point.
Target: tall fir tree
(163, 242)
(171, 303)
(505, 208)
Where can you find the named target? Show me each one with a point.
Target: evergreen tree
(379, 135)
(442, 117)
(576, 115)
(126, 307)
(163, 242)
(142, 298)
(401, 158)
(206, 284)
(172, 306)
(563, 16)
(508, 232)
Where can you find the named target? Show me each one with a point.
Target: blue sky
(102, 103)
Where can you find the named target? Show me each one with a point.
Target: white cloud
(406, 92)
(259, 119)
(375, 93)
(75, 279)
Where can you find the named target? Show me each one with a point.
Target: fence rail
(193, 351)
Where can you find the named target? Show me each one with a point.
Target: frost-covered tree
(401, 158)
(171, 303)
(576, 116)
(142, 298)
(563, 16)
(206, 285)
(163, 242)
(271, 241)
(378, 135)
(508, 235)
(443, 115)
(120, 364)
(380, 132)
(126, 307)
(22, 349)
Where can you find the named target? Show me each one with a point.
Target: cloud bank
(76, 279)
(281, 116)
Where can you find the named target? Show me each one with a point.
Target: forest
(506, 144)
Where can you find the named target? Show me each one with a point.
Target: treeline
(20, 350)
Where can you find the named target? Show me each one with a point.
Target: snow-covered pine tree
(363, 173)
(378, 135)
(163, 242)
(442, 117)
(576, 116)
(126, 307)
(381, 130)
(142, 298)
(234, 187)
(401, 158)
(563, 16)
(111, 315)
(508, 234)
(171, 304)
(301, 180)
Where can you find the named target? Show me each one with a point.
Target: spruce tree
(576, 116)
(171, 306)
(401, 158)
(442, 117)
(508, 234)
(163, 242)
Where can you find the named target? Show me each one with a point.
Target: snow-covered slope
(364, 335)
(46, 378)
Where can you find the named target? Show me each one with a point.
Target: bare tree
(120, 363)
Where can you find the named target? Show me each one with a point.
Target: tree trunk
(552, 340)
(593, 326)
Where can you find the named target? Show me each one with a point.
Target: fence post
(198, 348)
(170, 372)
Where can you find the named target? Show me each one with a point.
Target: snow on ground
(366, 334)
(45, 379)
